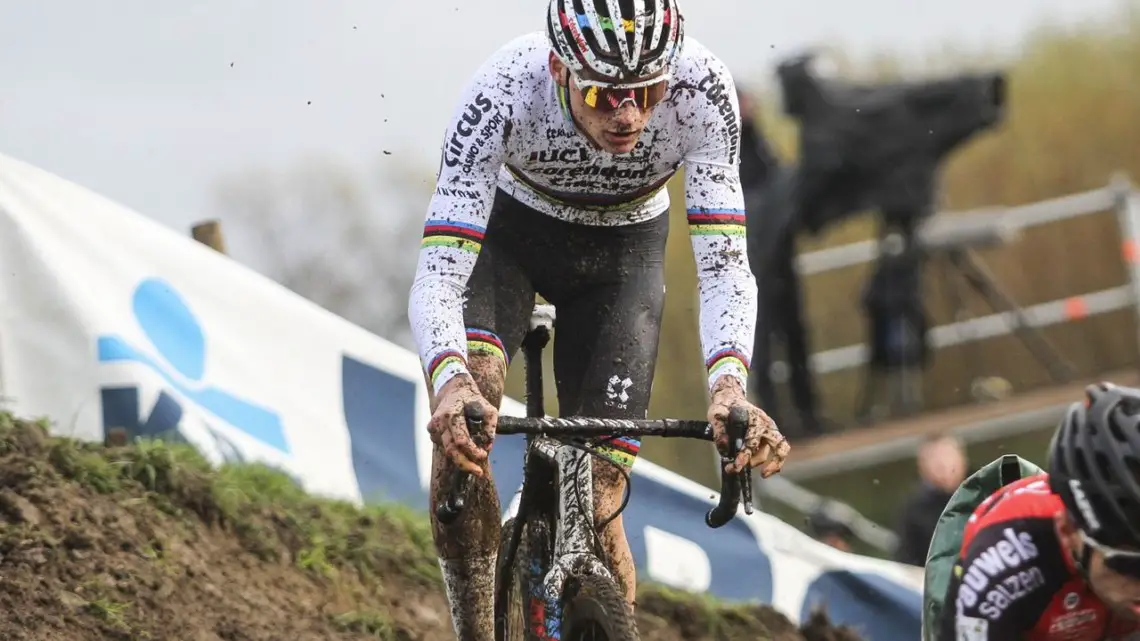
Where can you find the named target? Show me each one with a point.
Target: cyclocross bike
(553, 579)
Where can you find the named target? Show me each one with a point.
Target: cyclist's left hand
(764, 445)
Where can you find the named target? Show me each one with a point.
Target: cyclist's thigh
(609, 319)
(500, 296)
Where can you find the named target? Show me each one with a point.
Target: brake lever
(738, 429)
(456, 498)
(733, 487)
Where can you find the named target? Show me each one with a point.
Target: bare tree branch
(319, 230)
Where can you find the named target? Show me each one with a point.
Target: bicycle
(561, 585)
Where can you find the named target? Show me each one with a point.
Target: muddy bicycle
(553, 579)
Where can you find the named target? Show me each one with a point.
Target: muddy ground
(147, 543)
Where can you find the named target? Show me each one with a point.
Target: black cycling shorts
(607, 285)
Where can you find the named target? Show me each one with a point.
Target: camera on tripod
(879, 147)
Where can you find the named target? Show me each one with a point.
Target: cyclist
(552, 181)
(1057, 555)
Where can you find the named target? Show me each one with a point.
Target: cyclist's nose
(628, 114)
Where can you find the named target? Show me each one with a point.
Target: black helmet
(1094, 464)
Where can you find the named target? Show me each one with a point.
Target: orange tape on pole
(1076, 308)
(1130, 251)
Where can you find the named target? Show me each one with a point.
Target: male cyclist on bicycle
(1056, 556)
(553, 181)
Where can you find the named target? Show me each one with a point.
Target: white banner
(110, 319)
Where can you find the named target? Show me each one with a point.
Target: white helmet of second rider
(616, 39)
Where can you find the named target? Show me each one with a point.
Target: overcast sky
(150, 103)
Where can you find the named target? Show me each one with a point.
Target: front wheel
(595, 610)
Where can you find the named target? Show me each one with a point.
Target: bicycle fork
(572, 553)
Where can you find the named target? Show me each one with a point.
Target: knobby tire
(594, 609)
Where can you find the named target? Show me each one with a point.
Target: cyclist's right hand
(448, 425)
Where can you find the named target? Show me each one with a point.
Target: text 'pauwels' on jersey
(1002, 565)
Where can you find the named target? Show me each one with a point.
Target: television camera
(872, 147)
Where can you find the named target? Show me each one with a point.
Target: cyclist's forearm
(435, 312)
(725, 283)
(452, 239)
(727, 322)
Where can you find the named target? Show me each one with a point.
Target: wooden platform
(862, 447)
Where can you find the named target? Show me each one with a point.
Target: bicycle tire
(517, 609)
(594, 609)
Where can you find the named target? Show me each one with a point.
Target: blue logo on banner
(176, 335)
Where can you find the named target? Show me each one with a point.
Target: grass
(109, 611)
(373, 624)
(264, 507)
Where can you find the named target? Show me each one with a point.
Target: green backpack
(947, 539)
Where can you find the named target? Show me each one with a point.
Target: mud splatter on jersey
(511, 132)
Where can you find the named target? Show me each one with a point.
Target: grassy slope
(364, 555)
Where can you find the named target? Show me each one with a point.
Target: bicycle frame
(552, 470)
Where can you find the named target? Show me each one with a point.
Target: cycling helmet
(1094, 464)
(618, 39)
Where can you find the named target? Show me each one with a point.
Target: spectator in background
(779, 316)
(825, 528)
(756, 158)
(942, 467)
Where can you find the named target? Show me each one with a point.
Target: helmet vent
(1133, 466)
(1082, 471)
(1103, 464)
(1118, 416)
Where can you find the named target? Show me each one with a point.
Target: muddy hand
(764, 445)
(448, 425)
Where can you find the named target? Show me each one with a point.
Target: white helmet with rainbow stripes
(620, 40)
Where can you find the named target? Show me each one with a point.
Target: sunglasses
(607, 97)
(1125, 562)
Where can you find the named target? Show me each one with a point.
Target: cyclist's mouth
(1134, 610)
(622, 137)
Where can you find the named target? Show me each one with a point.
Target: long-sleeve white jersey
(512, 132)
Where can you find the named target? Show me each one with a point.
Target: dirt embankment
(147, 542)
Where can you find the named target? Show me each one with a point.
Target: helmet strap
(1082, 563)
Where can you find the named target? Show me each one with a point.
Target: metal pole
(1128, 216)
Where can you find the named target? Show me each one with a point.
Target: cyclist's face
(614, 130)
(1120, 592)
(1115, 581)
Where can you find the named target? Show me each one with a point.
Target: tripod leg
(971, 356)
(986, 285)
(867, 394)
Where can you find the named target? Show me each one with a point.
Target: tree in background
(319, 229)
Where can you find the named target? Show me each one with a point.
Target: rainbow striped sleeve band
(622, 450)
(483, 341)
(444, 367)
(727, 361)
(712, 222)
(447, 233)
